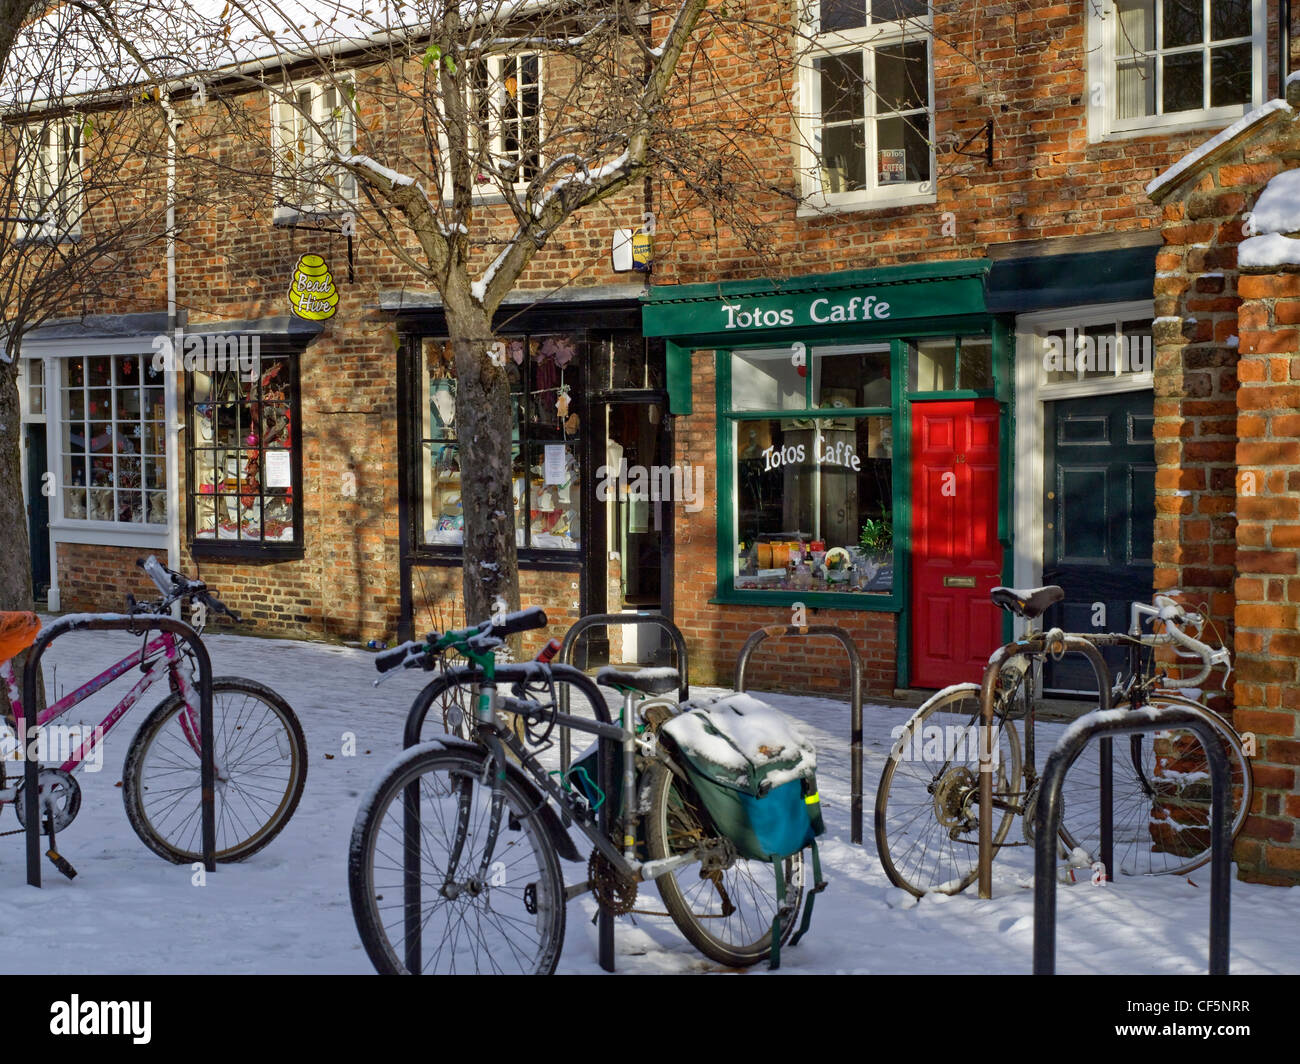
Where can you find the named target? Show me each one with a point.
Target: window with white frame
(1097, 348)
(312, 124)
(506, 105)
(114, 435)
(868, 125)
(1163, 63)
(51, 186)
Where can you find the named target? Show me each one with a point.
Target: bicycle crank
(59, 795)
(615, 892)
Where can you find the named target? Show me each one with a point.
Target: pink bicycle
(260, 752)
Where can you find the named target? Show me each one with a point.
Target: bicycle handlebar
(480, 638)
(1173, 615)
(174, 585)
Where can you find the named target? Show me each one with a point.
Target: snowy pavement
(286, 909)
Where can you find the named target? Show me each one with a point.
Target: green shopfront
(860, 432)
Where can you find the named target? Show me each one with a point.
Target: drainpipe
(1283, 47)
(171, 397)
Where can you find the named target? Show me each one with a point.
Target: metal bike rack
(606, 773)
(600, 620)
(119, 623)
(1048, 823)
(774, 631)
(1068, 644)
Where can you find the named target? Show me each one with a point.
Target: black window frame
(276, 550)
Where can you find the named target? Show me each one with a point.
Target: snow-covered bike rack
(135, 624)
(1105, 725)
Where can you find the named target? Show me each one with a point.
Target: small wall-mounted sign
(312, 294)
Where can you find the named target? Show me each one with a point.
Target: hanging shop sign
(312, 294)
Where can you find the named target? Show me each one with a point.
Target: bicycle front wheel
(1161, 796)
(927, 804)
(427, 895)
(724, 904)
(261, 766)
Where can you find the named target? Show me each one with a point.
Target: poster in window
(279, 473)
(893, 165)
(556, 463)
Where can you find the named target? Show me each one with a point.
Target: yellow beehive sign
(312, 294)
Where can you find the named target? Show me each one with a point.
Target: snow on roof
(67, 53)
(1193, 158)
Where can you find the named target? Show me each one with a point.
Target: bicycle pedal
(61, 863)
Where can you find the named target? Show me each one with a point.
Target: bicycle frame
(170, 662)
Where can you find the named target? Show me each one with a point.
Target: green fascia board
(1016, 286)
(697, 313)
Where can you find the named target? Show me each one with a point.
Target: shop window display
(813, 489)
(114, 440)
(242, 480)
(545, 384)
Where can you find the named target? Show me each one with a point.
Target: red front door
(956, 557)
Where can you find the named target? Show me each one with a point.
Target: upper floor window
(312, 125)
(51, 185)
(868, 124)
(505, 105)
(1175, 63)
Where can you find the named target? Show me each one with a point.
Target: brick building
(1228, 436)
(939, 377)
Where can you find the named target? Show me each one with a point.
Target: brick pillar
(1268, 587)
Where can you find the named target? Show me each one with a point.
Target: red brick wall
(95, 579)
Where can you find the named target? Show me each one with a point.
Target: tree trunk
(15, 551)
(483, 436)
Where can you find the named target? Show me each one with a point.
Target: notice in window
(893, 165)
(279, 472)
(556, 464)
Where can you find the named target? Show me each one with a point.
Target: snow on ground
(286, 909)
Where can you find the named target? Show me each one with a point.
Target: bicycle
(927, 804)
(475, 824)
(260, 755)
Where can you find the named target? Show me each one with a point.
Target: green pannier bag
(757, 780)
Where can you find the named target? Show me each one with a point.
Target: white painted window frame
(1103, 25)
(292, 132)
(816, 45)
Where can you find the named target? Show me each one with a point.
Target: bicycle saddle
(18, 631)
(1029, 603)
(647, 681)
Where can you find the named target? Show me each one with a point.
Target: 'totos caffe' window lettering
(821, 311)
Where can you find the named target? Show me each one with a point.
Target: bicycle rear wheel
(1161, 796)
(431, 813)
(261, 764)
(927, 804)
(724, 905)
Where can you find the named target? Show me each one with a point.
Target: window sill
(109, 533)
(817, 205)
(824, 600)
(245, 550)
(283, 218)
(1160, 127)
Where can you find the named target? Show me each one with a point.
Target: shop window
(869, 129)
(545, 373)
(1177, 62)
(949, 363)
(245, 468)
(814, 491)
(50, 182)
(114, 466)
(312, 126)
(627, 362)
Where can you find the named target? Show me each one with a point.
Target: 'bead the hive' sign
(312, 294)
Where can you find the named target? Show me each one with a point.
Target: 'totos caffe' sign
(312, 294)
